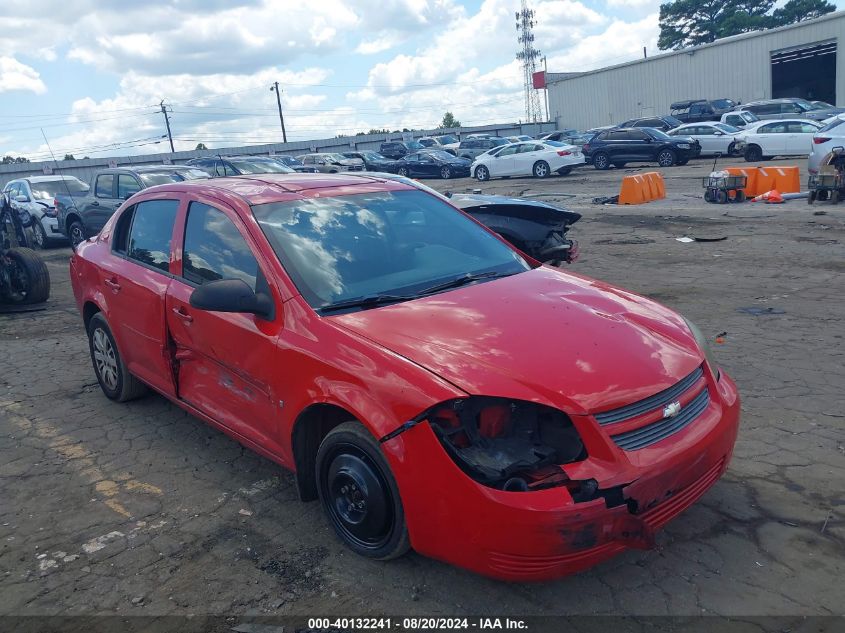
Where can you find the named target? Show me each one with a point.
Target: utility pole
(167, 123)
(545, 81)
(275, 88)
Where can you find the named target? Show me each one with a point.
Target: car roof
(265, 188)
(50, 178)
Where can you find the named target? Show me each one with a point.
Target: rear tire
(359, 493)
(28, 275)
(601, 161)
(811, 197)
(564, 171)
(620, 165)
(721, 196)
(115, 380)
(740, 196)
(541, 169)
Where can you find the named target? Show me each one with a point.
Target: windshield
(47, 190)
(442, 155)
(806, 106)
(335, 157)
(258, 166)
(288, 160)
(373, 156)
(389, 242)
(499, 141)
(413, 145)
(730, 129)
(446, 139)
(749, 117)
(823, 105)
(673, 121)
(723, 104)
(658, 134)
(152, 178)
(829, 126)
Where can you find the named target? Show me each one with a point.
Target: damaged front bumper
(545, 534)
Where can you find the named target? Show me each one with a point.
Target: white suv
(830, 136)
(35, 195)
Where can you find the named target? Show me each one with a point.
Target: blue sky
(90, 73)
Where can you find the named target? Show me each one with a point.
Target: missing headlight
(507, 444)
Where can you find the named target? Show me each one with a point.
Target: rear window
(152, 228)
(152, 178)
(832, 124)
(51, 188)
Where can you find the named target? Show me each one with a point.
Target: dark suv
(639, 145)
(697, 110)
(397, 149)
(475, 147)
(663, 123)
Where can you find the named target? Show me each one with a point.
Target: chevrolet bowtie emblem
(672, 409)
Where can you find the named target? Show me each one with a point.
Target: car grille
(652, 433)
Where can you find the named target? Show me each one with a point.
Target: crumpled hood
(542, 334)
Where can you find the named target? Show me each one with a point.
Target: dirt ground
(141, 509)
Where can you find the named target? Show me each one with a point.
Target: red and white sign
(539, 79)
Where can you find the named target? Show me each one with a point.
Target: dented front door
(223, 361)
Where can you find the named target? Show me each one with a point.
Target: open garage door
(808, 72)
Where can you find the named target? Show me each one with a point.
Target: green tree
(686, 23)
(200, 146)
(69, 157)
(449, 121)
(799, 10)
(8, 160)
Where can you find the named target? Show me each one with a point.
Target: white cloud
(17, 76)
(652, 5)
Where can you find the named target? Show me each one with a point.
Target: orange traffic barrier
(783, 179)
(750, 173)
(642, 188)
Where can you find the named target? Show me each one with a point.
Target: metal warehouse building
(799, 60)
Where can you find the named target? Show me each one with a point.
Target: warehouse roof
(559, 77)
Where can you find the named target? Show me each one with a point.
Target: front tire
(115, 380)
(753, 154)
(445, 173)
(359, 493)
(666, 158)
(39, 235)
(482, 173)
(402, 171)
(601, 161)
(541, 169)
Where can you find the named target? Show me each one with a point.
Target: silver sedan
(715, 138)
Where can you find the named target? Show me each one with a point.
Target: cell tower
(528, 55)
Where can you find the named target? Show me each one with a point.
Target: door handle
(94, 203)
(180, 312)
(112, 283)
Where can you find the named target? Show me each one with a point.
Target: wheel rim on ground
(104, 358)
(357, 497)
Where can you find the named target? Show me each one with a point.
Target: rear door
(135, 281)
(635, 145)
(799, 139)
(101, 205)
(771, 137)
(225, 362)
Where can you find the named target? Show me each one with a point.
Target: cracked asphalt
(141, 509)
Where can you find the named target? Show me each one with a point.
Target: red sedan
(433, 387)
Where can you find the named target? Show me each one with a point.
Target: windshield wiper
(368, 301)
(463, 280)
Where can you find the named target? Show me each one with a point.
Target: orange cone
(770, 197)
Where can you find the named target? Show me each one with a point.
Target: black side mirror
(232, 295)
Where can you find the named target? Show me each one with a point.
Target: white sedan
(715, 138)
(534, 158)
(787, 137)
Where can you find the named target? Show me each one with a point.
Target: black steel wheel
(359, 494)
(753, 153)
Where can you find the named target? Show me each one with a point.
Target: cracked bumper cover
(544, 534)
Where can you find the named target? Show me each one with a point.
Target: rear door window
(126, 186)
(105, 186)
(215, 249)
(151, 232)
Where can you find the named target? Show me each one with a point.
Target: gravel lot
(141, 509)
